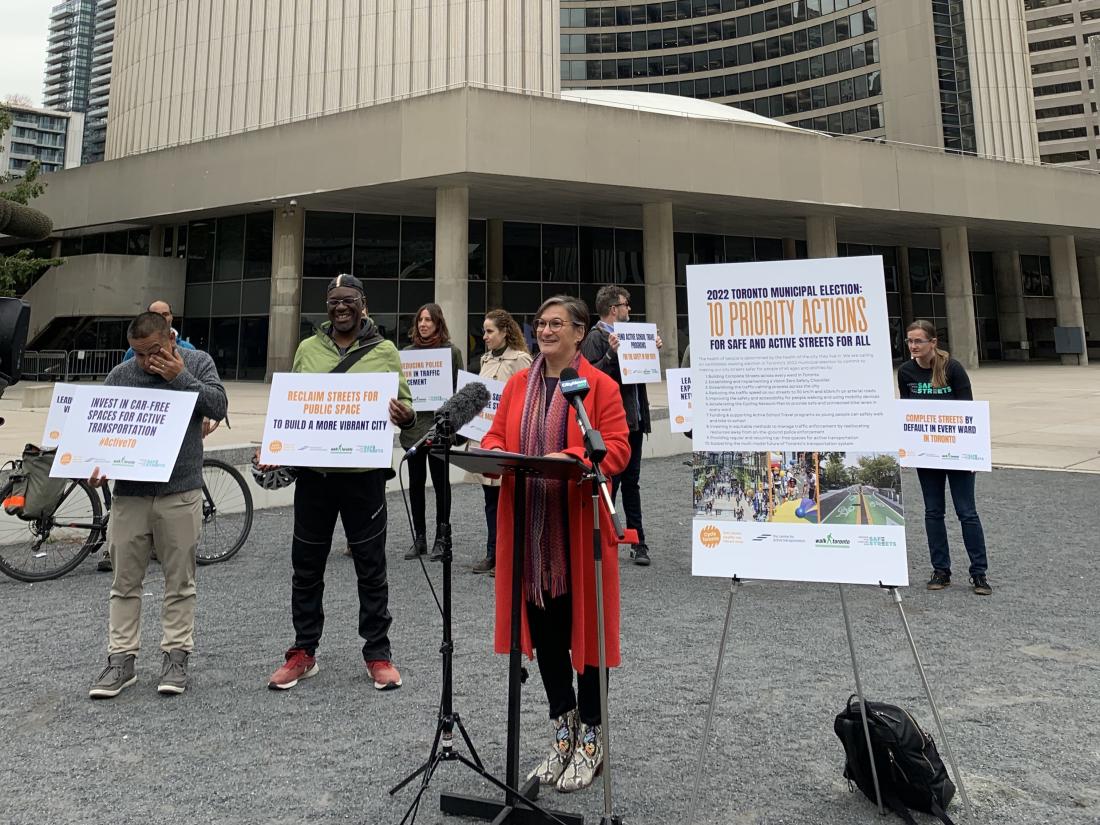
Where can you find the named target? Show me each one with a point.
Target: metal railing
(59, 365)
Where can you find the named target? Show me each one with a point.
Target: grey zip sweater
(199, 375)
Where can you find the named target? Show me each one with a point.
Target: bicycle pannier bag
(43, 494)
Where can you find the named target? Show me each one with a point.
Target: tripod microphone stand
(443, 745)
(596, 449)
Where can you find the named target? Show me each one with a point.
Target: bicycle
(75, 527)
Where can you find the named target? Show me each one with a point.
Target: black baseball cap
(346, 280)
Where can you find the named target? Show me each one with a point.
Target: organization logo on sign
(66, 459)
(710, 536)
(55, 434)
(275, 446)
(902, 454)
(949, 457)
(876, 541)
(679, 419)
(829, 541)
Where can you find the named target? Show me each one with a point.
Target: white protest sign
(477, 428)
(428, 373)
(945, 435)
(639, 362)
(59, 411)
(796, 474)
(679, 399)
(326, 420)
(129, 434)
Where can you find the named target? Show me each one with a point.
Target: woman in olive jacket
(505, 355)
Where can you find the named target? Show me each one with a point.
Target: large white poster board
(326, 420)
(428, 373)
(944, 435)
(679, 399)
(59, 412)
(639, 361)
(477, 429)
(127, 433)
(796, 475)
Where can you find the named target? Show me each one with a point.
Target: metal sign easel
(893, 590)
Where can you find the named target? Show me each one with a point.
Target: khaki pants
(172, 524)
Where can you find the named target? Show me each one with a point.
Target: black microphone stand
(443, 749)
(596, 449)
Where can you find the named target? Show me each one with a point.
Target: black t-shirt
(914, 381)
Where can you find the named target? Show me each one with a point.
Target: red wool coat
(605, 410)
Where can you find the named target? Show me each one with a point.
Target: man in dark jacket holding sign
(601, 348)
(357, 496)
(167, 514)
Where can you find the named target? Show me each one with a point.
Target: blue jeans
(932, 486)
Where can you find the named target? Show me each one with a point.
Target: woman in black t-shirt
(934, 375)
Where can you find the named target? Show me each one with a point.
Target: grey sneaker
(173, 673)
(116, 677)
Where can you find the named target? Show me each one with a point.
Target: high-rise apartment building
(946, 73)
(1058, 32)
(69, 56)
(103, 42)
(51, 137)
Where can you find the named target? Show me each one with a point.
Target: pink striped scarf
(542, 431)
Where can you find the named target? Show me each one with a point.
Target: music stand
(518, 803)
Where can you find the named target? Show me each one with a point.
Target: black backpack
(910, 771)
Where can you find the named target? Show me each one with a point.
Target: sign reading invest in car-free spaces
(127, 433)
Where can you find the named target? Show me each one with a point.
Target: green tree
(20, 268)
(878, 471)
(833, 473)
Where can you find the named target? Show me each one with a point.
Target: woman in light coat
(505, 355)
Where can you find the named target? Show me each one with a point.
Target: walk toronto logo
(829, 541)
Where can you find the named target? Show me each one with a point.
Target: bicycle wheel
(51, 546)
(226, 512)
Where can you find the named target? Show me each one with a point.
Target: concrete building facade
(947, 73)
(1063, 76)
(69, 55)
(430, 181)
(99, 89)
(188, 70)
(51, 137)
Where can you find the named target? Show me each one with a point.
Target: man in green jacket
(358, 497)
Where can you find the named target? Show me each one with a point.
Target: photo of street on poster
(795, 472)
(126, 433)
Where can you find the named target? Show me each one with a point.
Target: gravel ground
(1016, 676)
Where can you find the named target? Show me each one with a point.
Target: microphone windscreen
(462, 407)
(572, 385)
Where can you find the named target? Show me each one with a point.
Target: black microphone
(457, 411)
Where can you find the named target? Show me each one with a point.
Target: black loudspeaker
(15, 319)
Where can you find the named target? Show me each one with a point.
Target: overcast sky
(23, 27)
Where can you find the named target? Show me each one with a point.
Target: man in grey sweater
(167, 514)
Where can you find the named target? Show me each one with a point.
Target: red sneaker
(384, 674)
(299, 665)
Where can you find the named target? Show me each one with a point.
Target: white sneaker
(586, 763)
(563, 741)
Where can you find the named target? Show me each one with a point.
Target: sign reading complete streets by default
(129, 434)
(326, 420)
(796, 472)
(945, 435)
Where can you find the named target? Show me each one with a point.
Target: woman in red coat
(559, 579)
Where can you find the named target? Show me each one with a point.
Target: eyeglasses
(916, 342)
(348, 302)
(623, 304)
(555, 324)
